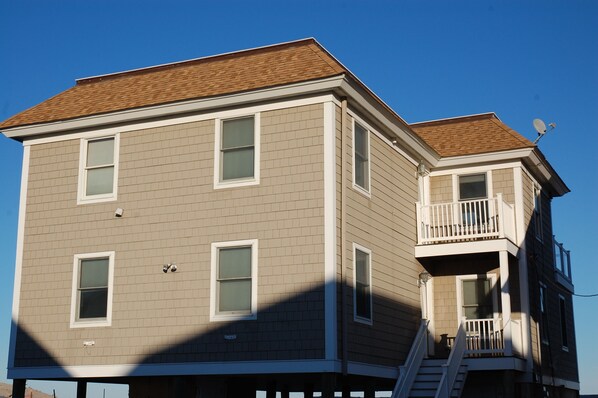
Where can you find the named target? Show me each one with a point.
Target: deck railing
(562, 265)
(485, 337)
(465, 220)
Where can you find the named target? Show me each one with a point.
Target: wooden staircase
(428, 379)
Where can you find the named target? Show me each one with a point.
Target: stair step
(428, 377)
(422, 393)
(425, 385)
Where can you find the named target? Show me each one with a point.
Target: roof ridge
(456, 119)
(193, 61)
(518, 136)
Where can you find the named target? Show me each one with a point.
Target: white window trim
(255, 180)
(215, 317)
(82, 197)
(356, 318)
(493, 288)
(93, 322)
(357, 187)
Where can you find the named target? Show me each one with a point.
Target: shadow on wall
(290, 330)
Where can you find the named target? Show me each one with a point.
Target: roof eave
(20, 133)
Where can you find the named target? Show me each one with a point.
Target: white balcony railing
(465, 221)
(484, 336)
(562, 265)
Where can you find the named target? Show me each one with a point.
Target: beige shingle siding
(503, 182)
(441, 189)
(385, 224)
(541, 269)
(173, 214)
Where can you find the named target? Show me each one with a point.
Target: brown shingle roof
(469, 135)
(271, 66)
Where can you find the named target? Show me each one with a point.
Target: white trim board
(201, 368)
(95, 131)
(330, 266)
(16, 298)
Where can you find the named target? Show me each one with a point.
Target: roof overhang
(532, 158)
(176, 109)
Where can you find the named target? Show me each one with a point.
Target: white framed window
(477, 297)
(237, 151)
(91, 300)
(233, 294)
(538, 211)
(563, 317)
(362, 277)
(473, 186)
(361, 158)
(98, 169)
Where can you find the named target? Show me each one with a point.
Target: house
(261, 220)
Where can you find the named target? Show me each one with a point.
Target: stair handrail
(408, 371)
(451, 368)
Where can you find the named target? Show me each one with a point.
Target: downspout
(344, 332)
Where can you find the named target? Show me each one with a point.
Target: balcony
(480, 220)
(562, 266)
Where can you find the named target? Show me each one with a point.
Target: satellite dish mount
(540, 127)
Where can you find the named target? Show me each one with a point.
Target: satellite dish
(540, 126)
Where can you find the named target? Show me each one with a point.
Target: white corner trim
(330, 315)
(76, 270)
(214, 316)
(16, 296)
(255, 180)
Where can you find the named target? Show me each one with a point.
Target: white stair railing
(451, 368)
(408, 371)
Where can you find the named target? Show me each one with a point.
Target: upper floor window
(91, 303)
(563, 314)
(361, 157)
(544, 314)
(234, 280)
(362, 298)
(98, 169)
(538, 211)
(237, 152)
(473, 187)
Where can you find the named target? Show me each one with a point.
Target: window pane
(237, 133)
(361, 157)
(93, 303)
(563, 310)
(361, 143)
(477, 299)
(235, 263)
(237, 163)
(362, 301)
(235, 295)
(94, 273)
(361, 267)
(100, 152)
(100, 181)
(471, 187)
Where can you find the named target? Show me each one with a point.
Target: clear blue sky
(426, 59)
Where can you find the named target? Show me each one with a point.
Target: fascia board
(493, 157)
(417, 148)
(169, 110)
(547, 173)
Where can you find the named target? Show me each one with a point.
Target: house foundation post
(18, 388)
(81, 389)
(505, 299)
